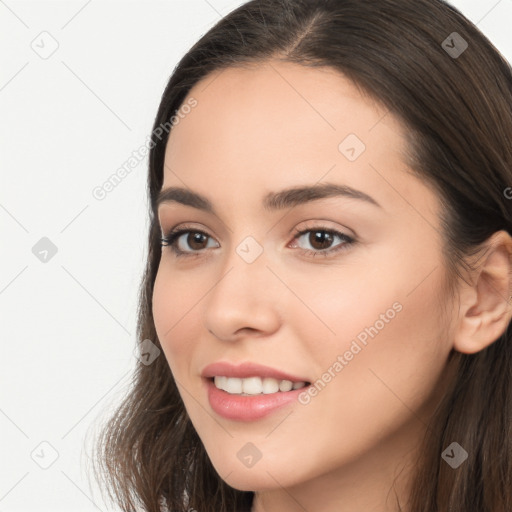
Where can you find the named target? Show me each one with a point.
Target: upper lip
(247, 369)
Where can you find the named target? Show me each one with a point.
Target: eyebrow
(272, 201)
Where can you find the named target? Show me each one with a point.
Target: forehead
(270, 125)
(281, 102)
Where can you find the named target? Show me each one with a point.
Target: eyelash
(173, 236)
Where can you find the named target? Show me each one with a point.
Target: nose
(243, 300)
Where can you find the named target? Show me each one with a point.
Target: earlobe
(485, 308)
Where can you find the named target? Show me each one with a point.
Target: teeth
(234, 385)
(255, 385)
(285, 385)
(270, 385)
(250, 386)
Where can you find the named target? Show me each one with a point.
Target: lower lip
(251, 407)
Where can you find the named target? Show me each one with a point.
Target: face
(340, 288)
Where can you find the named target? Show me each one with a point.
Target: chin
(260, 477)
(251, 481)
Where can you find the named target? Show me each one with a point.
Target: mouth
(251, 398)
(250, 391)
(256, 385)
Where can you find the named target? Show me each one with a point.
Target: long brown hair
(456, 104)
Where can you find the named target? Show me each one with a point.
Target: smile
(255, 385)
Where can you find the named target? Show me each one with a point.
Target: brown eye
(320, 239)
(185, 242)
(195, 240)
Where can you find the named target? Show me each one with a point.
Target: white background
(66, 124)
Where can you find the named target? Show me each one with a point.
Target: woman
(328, 277)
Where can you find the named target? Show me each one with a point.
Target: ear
(485, 308)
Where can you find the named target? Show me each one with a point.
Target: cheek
(380, 344)
(338, 307)
(367, 390)
(174, 300)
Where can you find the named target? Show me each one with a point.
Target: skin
(265, 128)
